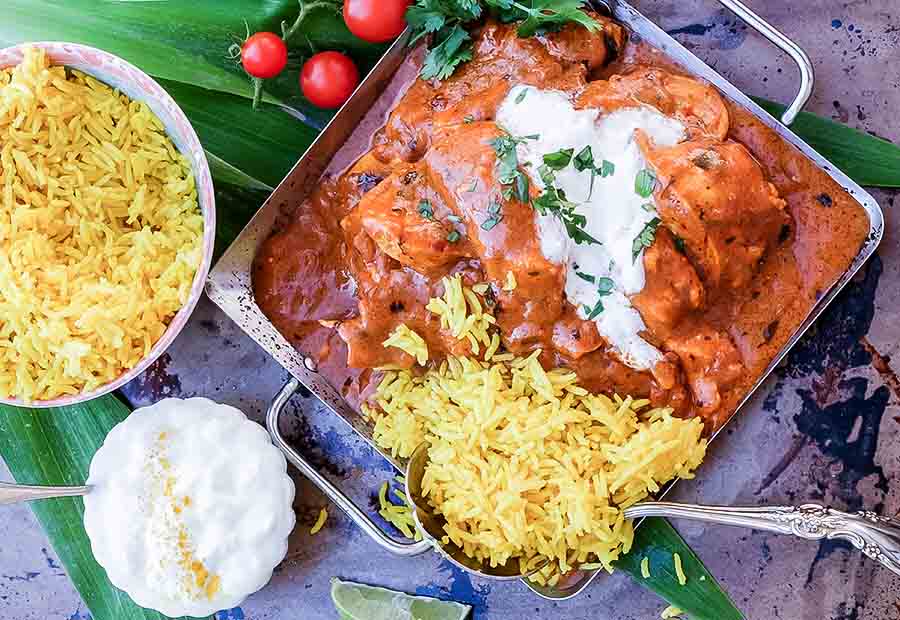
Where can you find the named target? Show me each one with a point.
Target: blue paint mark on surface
(51, 563)
(460, 589)
(695, 30)
(836, 23)
(28, 576)
(230, 614)
(79, 615)
(836, 416)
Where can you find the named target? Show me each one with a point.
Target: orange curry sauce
(762, 232)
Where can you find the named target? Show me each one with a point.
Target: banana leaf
(701, 598)
(188, 40)
(55, 446)
(867, 159)
(262, 145)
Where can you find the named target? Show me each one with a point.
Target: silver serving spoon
(876, 536)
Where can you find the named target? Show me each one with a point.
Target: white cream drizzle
(615, 212)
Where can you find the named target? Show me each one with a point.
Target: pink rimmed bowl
(139, 86)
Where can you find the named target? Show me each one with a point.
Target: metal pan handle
(807, 73)
(343, 502)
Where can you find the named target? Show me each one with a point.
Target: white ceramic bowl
(139, 86)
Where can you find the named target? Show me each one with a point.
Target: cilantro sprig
(605, 288)
(514, 181)
(451, 44)
(645, 238)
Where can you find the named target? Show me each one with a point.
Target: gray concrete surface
(825, 427)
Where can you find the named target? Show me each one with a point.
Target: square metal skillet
(229, 284)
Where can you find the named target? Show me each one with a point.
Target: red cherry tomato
(376, 21)
(328, 79)
(264, 55)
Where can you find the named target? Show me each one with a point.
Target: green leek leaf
(867, 159)
(223, 172)
(55, 447)
(263, 144)
(701, 597)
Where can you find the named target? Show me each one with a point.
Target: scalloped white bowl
(139, 86)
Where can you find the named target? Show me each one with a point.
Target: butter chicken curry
(632, 223)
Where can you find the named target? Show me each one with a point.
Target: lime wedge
(355, 601)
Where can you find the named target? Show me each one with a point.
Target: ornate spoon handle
(14, 493)
(876, 536)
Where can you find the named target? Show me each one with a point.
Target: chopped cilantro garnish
(645, 183)
(584, 160)
(521, 96)
(426, 210)
(559, 159)
(554, 201)
(605, 288)
(515, 181)
(454, 218)
(453, 236)
(495, 215)
(648, 207)
(645, 238)
(679, 243)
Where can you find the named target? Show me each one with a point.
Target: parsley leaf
(586, 277)
(521, 96)
(426, 210)
(453, 236)
(558, 160)
(645, 183)
(543, 14)
(645, 238)
(679, 244)
(455, 48)
(607, 168)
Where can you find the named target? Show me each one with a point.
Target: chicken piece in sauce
(501, 59)
(716, 198)
(693, 102)
(711, 362)
(672, 288)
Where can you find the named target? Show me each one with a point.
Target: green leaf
(224, 172)
(558, 159)
(455, 48)
(645, 183)
(868, 160)
(55, 447)
(701, 598)
(264, 144)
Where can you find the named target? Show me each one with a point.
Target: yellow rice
(679, 569)
(465, 317)
(525, 463)
(645, 568)
(100, 231)
(671, 612)
(398, 515)
(410, 342)
(320, 522)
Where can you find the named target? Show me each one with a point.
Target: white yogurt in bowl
(190, 507)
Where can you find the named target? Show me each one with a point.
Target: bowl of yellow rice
(107, 222)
